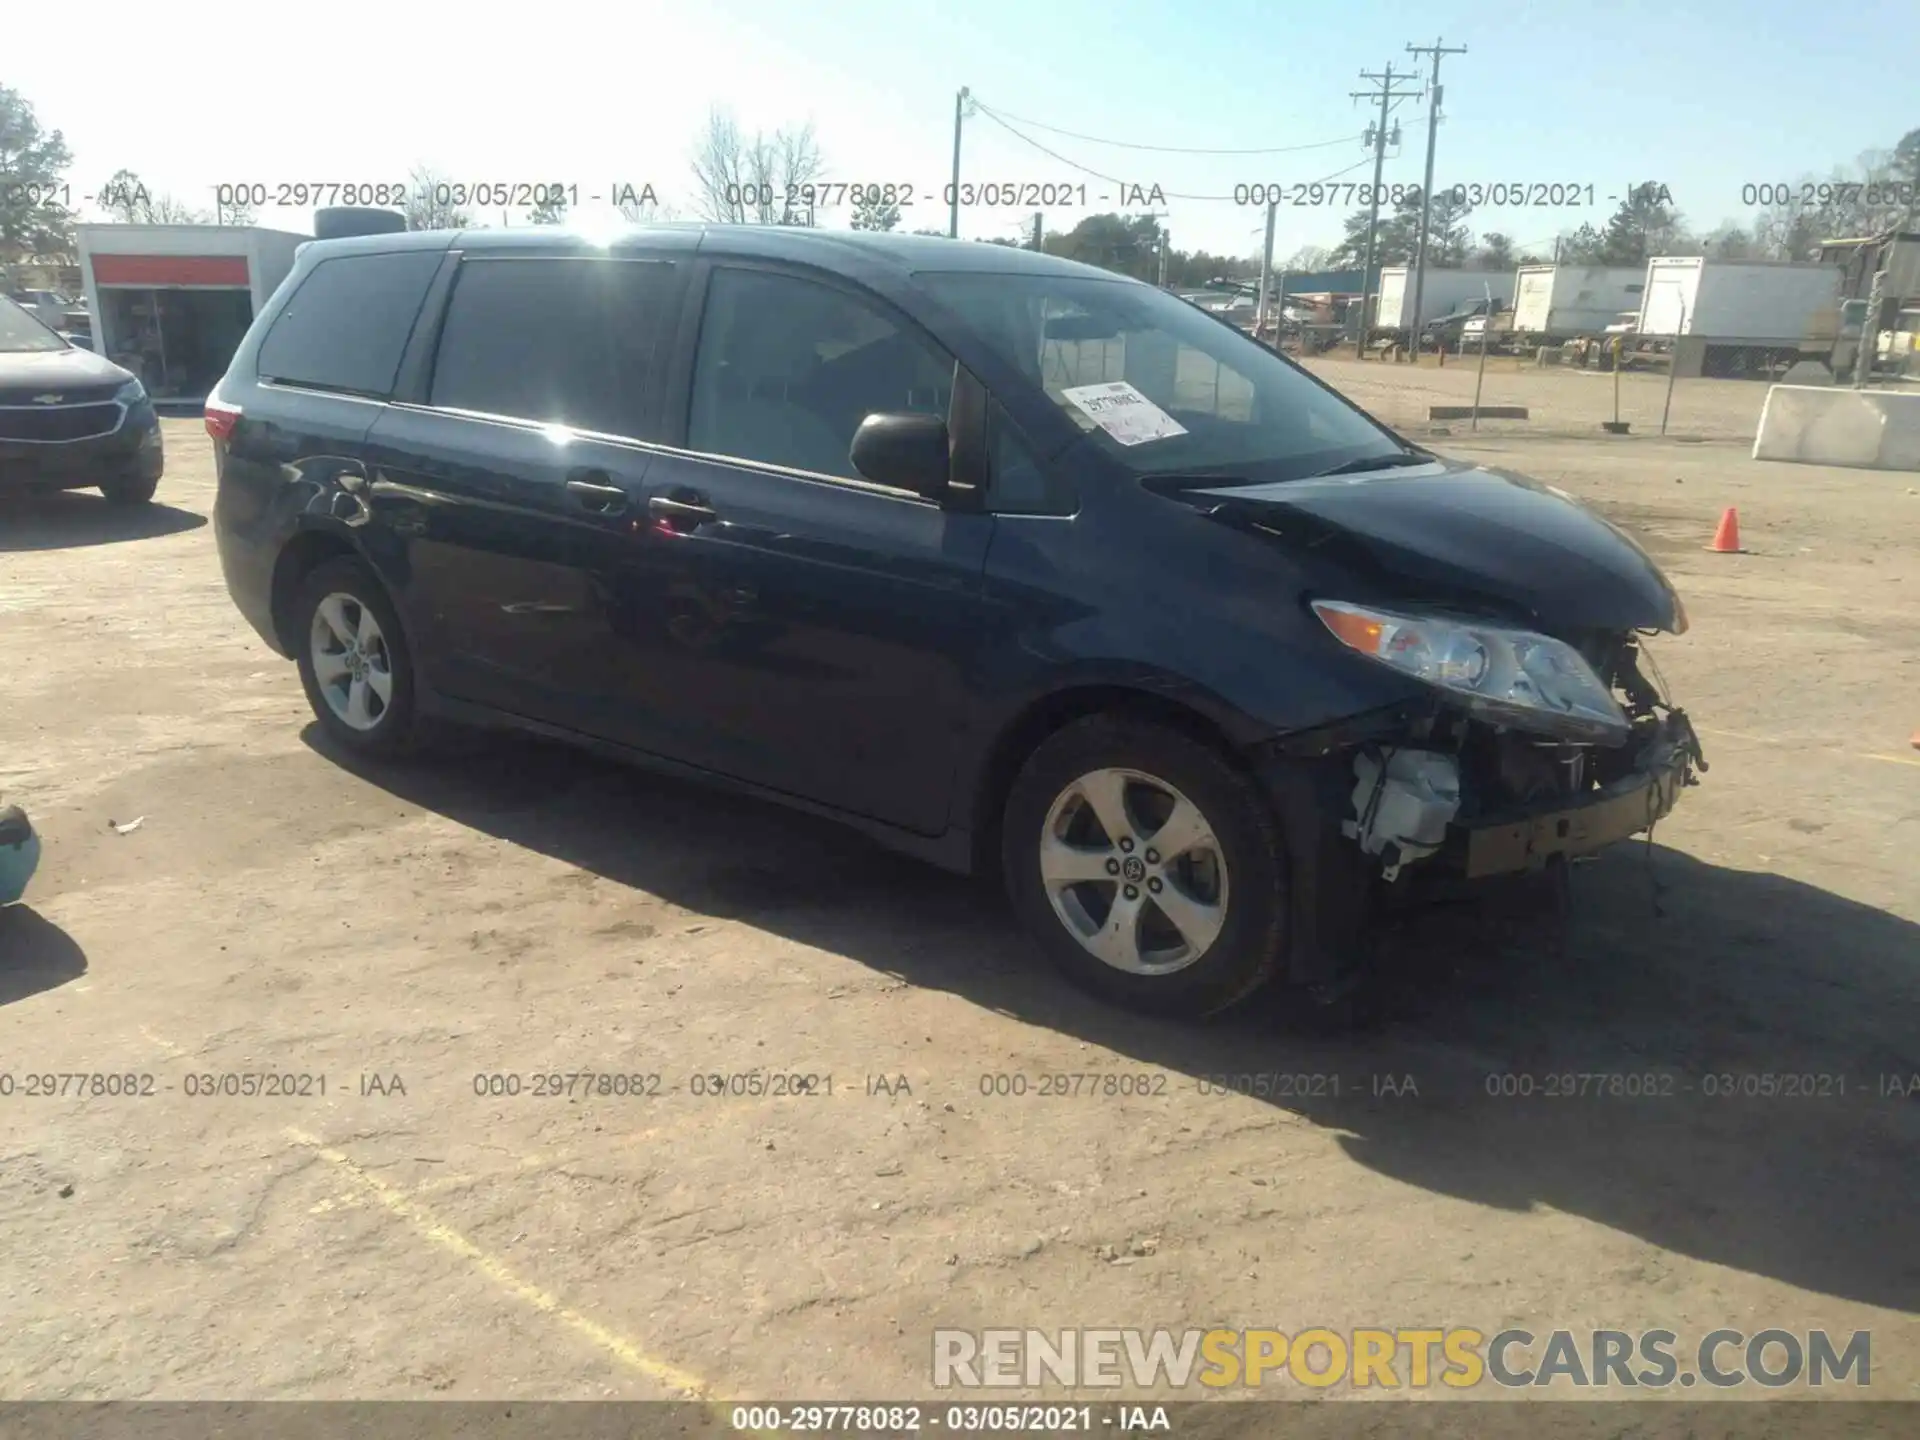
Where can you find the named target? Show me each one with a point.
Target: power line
(1116, 180)
(1174, 149)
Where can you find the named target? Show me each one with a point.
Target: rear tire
(354, 661)
(1190, 932)
(131, 491)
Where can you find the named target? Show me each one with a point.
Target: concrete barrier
(1828, 425)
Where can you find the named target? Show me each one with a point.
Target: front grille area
(23, 396)
(55, 423)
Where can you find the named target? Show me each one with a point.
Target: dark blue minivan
(1017, 565)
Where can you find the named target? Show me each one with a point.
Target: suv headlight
(1515, 677)
(130, 394)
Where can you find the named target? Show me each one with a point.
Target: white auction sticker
(1124, 413)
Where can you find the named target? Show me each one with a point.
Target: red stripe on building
(170, 270)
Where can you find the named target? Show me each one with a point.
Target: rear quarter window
(347, 324)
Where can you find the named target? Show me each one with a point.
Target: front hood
(1456, 533)
(25, 375)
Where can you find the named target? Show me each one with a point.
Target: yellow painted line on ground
(1847, 754)
(166, 1045)
(503, 1275)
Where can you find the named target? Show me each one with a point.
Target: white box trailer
(1558, 302)
(1749, 302)
(1442, 292)
(1736, 317)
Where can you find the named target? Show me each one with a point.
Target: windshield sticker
(1123, 412)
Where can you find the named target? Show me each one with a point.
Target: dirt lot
(519, 909)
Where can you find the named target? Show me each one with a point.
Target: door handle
(678, 514)
(592, 492)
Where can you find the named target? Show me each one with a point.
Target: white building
(172, 302)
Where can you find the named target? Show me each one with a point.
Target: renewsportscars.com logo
(1459, 1358)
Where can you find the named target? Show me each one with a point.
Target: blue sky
(1705, 97)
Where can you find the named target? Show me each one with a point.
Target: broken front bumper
(1527, 839)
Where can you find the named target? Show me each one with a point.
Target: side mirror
(906, 451)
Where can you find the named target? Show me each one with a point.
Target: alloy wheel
(1134, 872)
(351, 661)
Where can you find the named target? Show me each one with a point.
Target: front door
(783, 620)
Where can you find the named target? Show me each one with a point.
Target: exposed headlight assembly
(1511, 677)
(130, 394)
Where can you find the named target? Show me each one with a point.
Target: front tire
(354, 662)
(131, 491)
(1147, 866)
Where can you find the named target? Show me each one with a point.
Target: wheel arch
(308, 548)
(1051, 712)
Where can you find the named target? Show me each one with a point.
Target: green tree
(1644, 225)
(1495, 252)
(1449, 241)
(1730, 240)
(34, 217)
(1125, 244)
(550, 208)
(1581, 247)
(873, 212)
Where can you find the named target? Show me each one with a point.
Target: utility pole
(1377, 138)
(1266, 271)
(953, 203)
(1866, 349)
(1038, 217)
(1436, 50)
(1166, 249)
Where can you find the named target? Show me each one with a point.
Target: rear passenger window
(788, 368)
(562, 341)
(346, 325)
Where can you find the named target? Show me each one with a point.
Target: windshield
(20, 332)
(1159, 384)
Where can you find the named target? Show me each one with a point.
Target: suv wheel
(133, 491)
(354, 660)
(1150, 869)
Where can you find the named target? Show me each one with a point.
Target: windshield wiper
(1374, 462)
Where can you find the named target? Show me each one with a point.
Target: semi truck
(1555, 303)
(1738, 317)
(1442, 292)
(1897, 253)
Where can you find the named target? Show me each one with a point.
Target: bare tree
(431, 202)
(720, 161)
(126, 198)
(646, 211)
(765, 180)
(792, 165)
(1307, 259)
(168, 211)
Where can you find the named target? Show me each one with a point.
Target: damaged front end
(1444, 790)
(1491, 799)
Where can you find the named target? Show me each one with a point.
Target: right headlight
(1514, 677)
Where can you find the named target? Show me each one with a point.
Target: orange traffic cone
(1726, 540)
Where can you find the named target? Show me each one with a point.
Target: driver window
(788, 368)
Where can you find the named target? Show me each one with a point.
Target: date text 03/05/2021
(963, 1419)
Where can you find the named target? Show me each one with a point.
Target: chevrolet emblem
(48, 399)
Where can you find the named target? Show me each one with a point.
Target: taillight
(221, 418)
